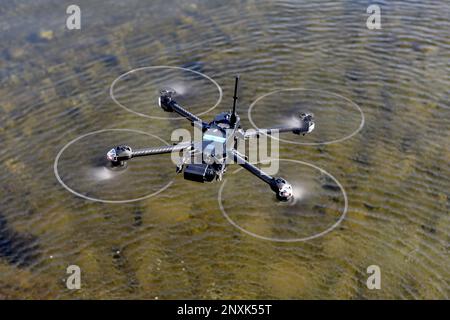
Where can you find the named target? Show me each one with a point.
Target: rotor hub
(167, 92)
(283, 190)
(118, 155)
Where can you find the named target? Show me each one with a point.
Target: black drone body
(218, 147)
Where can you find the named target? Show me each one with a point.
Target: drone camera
(199, 172)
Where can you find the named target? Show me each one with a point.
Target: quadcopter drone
(220, 139)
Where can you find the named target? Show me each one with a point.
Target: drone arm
(305, 125)
(160, 150)
(257, 133)
(184, 113)
(282, 189)
(174, 106)
(253, 169)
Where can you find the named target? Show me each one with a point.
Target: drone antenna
(233, 114)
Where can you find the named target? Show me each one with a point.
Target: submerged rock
(46, 34)
(13, 53)
(109, 60)
(40, 37)
(424, 48)
(15, 248)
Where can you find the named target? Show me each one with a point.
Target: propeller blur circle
(137, 91)
(81, 167)
(336, 117)
(320, 203)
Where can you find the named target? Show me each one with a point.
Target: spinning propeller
(84, 168)
(318, 205)
(139, 90)
(336, 118)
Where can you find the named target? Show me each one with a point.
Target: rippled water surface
(55, 87)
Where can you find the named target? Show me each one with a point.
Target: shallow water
(395, 171)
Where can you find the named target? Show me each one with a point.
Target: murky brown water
(55, 87)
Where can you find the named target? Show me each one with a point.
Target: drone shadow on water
(17, 249)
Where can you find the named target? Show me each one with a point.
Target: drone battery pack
(198, 172)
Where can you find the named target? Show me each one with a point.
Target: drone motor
(282, 189)
(119, 155)
(306, 124)
(165, 97)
